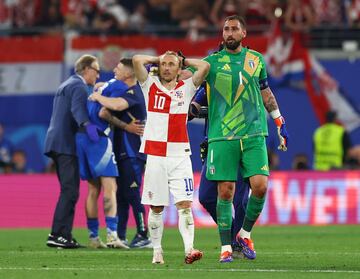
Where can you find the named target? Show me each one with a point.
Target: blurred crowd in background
(194, 18)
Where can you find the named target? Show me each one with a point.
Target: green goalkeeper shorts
(225, 157)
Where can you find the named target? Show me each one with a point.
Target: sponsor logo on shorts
(150, 195)
(265, 168)
(134, 185)
(212, 170)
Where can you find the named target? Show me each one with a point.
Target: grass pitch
(282, 252)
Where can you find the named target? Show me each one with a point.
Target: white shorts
(165, 175)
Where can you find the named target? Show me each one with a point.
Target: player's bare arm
(202, 68)
(273, 108)
(139, 62)
(117, 104)
(269, 100)
(134, 127)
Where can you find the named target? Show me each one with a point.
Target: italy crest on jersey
(251, 64)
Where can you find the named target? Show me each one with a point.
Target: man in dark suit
(68, 117)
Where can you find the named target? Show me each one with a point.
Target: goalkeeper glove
(282, 133)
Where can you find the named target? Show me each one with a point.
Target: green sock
(224, 220)
(253, 210)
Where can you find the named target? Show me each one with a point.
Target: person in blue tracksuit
(129, 106)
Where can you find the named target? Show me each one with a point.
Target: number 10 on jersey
(159, 102)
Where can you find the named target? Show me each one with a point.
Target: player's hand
(203, 150)
(282, 133)
(182, 58)
(98, 85)
(92, 131)
(135, 127)
(94, 96)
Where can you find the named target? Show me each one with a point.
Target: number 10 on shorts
(189, 185)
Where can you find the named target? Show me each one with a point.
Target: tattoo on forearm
(269, 101)
(107, 205)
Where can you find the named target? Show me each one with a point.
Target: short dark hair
(126, 62)
(84, 61)
(331, 116)
(238, 18)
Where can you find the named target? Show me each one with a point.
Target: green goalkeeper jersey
(236, 108)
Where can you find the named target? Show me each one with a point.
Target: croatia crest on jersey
(179, 94)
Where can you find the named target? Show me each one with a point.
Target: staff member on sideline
(68, 115)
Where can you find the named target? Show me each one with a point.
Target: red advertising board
(293, 198)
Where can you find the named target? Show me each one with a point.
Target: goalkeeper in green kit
(238, 94)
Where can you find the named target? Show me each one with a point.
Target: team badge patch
(179, 94)
(212, 170)
(251, 63)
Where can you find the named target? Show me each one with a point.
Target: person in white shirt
(166, 143)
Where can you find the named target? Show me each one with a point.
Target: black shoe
(62, 242)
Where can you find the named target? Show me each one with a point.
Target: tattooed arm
(269, 100)
(273, 109)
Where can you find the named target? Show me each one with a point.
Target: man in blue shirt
(68, 116)
(129, 106)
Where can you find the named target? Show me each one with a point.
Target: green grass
(282, 252)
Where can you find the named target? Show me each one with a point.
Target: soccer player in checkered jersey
(165, 141)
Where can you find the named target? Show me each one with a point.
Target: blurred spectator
(18, 162)
(116, 11)
(327, 12)
(352, 10)
(105, 22)
(196, 27)
(331, 144)
(6, 150)
(75, 12)
(138, 19)
(298, 16)
(274, 161)
(159, 12)
(26, 13)
(300, 162)
(51, 16)
(186, 10)
(353, 159)
(259, 13)
(6, 13)
(224, 8)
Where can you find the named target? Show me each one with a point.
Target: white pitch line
(149, 251)
(179, 269)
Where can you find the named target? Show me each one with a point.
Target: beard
(232, 44)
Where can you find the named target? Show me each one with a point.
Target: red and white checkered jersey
(165, 131)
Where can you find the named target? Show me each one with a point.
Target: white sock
(226, 248)
(244, 234)
(186, 228)
(156, 227)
